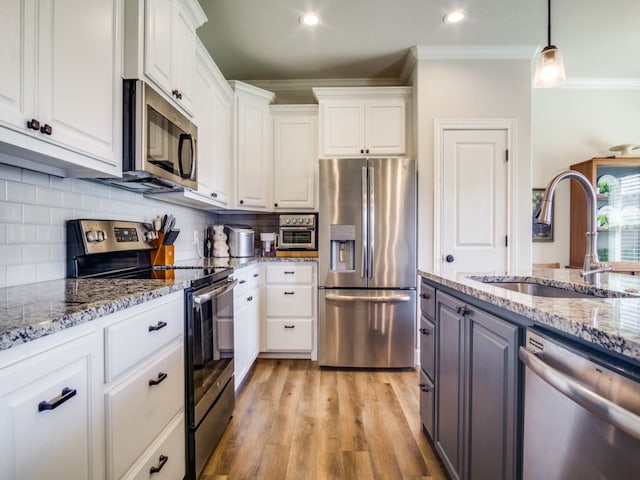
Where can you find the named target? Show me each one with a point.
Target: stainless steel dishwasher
(581, 413)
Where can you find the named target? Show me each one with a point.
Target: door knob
(449, 258)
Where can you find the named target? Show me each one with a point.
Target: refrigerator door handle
(365, 223)
(368, 298)
(371, 221)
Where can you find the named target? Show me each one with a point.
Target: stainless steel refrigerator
(367, 263)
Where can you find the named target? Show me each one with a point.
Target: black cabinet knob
(33, 124)
(241, 202)
(46, 129)
(214, 195)
(426, 296)
(464, 310)
(424, 331)
(275, 204)
(449, 258)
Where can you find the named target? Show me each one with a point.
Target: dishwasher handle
(368, 298)
(201, 296)
(609, 411)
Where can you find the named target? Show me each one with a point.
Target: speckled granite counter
(32, 311)
(35, 310)
(610, 323)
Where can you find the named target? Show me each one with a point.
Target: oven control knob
(307, 221)
(91, 236)
(100, 236)
(287, 221)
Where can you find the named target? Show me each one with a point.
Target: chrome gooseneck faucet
(591, 267)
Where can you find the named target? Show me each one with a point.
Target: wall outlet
(195, 237)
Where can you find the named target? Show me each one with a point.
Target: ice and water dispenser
(343, 248)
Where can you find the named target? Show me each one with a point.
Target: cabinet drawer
(427, 300)
(290, 273)
(164, 460)
(426, 403)
(283, 301)
(254, 277)
(289, 335)
(143, 333)
(138, 410)
(427, 346)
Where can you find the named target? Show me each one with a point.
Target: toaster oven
(297, 232)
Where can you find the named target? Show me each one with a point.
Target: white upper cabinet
(295, 160)
(61, 88)
(253, 136)
(161, 45)
(213, 111)
(368, 121)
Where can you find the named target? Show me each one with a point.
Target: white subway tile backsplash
(49, 197)
(3, 190)
(36, 253)
(10, 254)
(20, 233)
(10, 212)
(71, 200)
(21, 274)
(50, 234)
(51, 271)
(36, 214)
(3, 277)
(21, 192)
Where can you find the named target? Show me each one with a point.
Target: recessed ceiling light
(309, 19)
(454, 16)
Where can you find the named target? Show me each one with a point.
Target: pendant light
(549, 65)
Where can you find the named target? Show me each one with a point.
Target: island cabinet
(59, 58)
(253, 147)
(295, 157)
(290, 319)
(476, 397)
(247, 311)
(617, 184)
(427, 337)
(369, 121)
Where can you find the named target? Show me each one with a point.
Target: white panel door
(474, 203)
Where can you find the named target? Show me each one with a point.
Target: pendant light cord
(548, 22)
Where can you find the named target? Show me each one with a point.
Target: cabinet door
(295, 158)
(158, 42)
(253, 324)
(50, 414)
(17, 43)
(240, 344)
(221, 149)
(385, 127)
(253, 173)
(427, 346)
(450, 384)
(426, 403)
(342, 130)
(183, 55)
(203, 115)
(493, 447)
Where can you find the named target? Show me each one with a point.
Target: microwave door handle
(190, 174)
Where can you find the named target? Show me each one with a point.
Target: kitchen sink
(540, 288)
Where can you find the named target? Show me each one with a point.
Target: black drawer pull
(157, 326)
(249, 298)
(463, 310)
(425, 388)
(255, 275)
(289, 272)
(289, 326)
(424, 331)
(289, 293)
(54, 403)
(162, 460)
(242, 281)
(159, 380)
(426, 296)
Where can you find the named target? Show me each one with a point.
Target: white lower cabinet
(104, 399)
(50, 413)
(290, 318)
(247, 311)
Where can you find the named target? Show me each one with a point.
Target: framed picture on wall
(539, 232)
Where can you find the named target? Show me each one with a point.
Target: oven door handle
(207, 295)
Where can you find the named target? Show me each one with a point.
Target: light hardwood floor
(294, 420)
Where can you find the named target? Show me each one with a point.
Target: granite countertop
(610, 323)
(31, 311)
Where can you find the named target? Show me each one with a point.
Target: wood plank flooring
(295, 421)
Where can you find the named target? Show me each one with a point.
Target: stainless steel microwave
(297, 232)
(159, 145)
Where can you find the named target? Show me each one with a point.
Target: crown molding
(601, 84)
(474, 52)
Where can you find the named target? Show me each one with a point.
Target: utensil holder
(164, 254)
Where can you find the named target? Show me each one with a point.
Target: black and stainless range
(122, 250)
